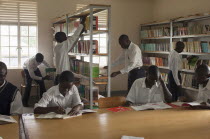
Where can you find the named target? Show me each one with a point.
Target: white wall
(125, 19)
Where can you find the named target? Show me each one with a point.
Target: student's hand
(59, 110)
(182, 99)
(203, 104)
(160, 79)
(114, 74)
(128, 104)
(75, 110)
(47, 77)
(106, 67)
(82, 20)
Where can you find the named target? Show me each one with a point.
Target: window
(18, 31)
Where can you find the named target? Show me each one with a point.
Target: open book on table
(4, 119)
(186, 104)
(152, 106)
(53, 115)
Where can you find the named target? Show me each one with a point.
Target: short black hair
(66, 76)
(152, 69)
(3, 65)
(60, 36)
(123, 37)
(203, 68)
(179, 44)
(39, 57)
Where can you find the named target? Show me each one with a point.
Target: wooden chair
(23, 85)
(111, 102)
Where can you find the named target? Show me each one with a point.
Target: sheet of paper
(195, 103)
(149, 106)
(88, 111)
(52, 115)
(131, 137)
(6, 118)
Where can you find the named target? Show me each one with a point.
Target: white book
(131, 137)
(152, 106)
(7, 119)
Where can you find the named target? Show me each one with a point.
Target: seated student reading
(59, 97)
(10, 97)
(150, 89)
(201, 75)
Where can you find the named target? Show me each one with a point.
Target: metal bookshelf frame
(204, 56)
(91, 10)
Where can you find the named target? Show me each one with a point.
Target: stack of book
(155, 47)
(156, 32)
(83, 47)
(195, 47)
(83, 68)
(190, 30)
(155, 61)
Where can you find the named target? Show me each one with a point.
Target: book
(155, 61)
(151, 106)
(186, 104)
(4, 119)
(118, 109)
(131, 137)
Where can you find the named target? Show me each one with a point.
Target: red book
(118, 109)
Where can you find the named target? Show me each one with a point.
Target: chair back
(111, 102)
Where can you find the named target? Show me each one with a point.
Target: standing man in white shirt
(132, 58)
(32, 72)
(59, 97)
(63, 47)
(150, 89)
(175, 67)
(10, 97)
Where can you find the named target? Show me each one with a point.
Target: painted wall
(125, 19)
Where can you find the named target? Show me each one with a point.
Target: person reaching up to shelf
(63, 47)
(175, 67)
(202, 77)
(60, 97)
(132, 57)
(150, 89)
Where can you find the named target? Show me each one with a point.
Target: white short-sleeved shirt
(53, 98)
(139, 94)
(204, 93)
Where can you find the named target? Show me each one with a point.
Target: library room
(104, 69)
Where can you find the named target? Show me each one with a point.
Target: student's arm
(76, 104)
(41, 106)
(131, 97)
(175, 71)
(166, 92)
(74, 38)
(31, 72)
(16, 106)
(46, 64)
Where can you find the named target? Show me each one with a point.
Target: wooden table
(10, 131)
(151, 124)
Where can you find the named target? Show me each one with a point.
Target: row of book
(83, 68)
(155, 61)
(83, 47)
(73, 25)
(190, 30)
(155, 47)
(159, 32)
(196, 46)
(188, 80)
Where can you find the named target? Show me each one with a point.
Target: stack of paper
(152, 106)
(130, 137)
(4, 119)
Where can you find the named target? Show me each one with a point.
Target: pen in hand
(60, 109)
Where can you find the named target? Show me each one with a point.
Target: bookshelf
(193, 30)
(93, 48)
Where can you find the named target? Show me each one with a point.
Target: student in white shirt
(175, 67)
(150, 89)
(201, 75)
(10, 97)
(63, 47)
(59, 97)
(32, 72)
(132, 58)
